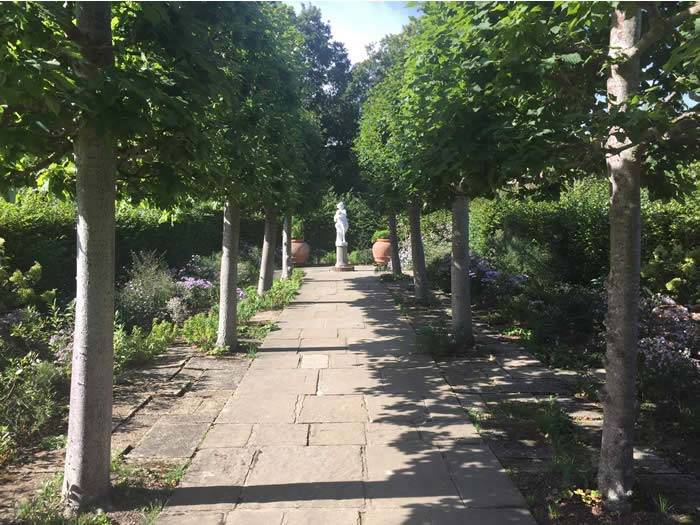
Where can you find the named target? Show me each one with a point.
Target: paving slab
(287, 333)
(321, 516)
(275, 408)
(278, 434)
(390, 433)
(271, 360)
(332, 409)
(345, 360)
(324, 343)
(480, 478)
(349, 381)
(314, 476)
(424, 515)
(314, 361)
(213, 481)
(171, 441)
(262, 383)
(255, 517)
(279, 345)
(319, 333)
(337, 434)
(408, 475)
(227, 435)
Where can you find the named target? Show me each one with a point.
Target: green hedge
(41, 228)
(567, 240)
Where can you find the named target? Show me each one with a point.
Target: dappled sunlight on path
(341, 419)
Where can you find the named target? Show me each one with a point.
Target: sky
(357, 23)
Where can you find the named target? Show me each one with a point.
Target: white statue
(341, 225)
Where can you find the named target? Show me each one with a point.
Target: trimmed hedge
(567, 240)
(41, 228)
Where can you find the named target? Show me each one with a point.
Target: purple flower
(193, 282)
(241, 294)
(491, 275)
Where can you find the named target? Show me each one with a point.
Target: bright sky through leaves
(359, 23)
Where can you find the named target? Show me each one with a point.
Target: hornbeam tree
(378, 169)
(384, 151)
(86, 474)
(624, 164)
(550, 62)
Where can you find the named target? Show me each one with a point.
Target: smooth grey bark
(615, 468)
(394, 240)
(227, 335)
(267, 259)
(420, 275)
(287, 247)
(86, 475)
(459, 273)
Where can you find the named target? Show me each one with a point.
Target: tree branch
(659, 26)
(56, 156)
(67, 25)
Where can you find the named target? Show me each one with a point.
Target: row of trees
(164, 102)
(471, 99)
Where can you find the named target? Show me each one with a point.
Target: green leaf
(572, 58)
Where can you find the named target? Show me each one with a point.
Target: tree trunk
(287, 247)
(461, 297)
(394, 239)
(420, 276)
(267, 260)
(228, 288)
(615, 469)
(86, 477)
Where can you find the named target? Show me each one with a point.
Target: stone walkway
(338, 420)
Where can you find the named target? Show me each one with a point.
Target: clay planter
(300, 251)
(381, 251)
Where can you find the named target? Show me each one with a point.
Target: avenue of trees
(258, 110)
(473, 98)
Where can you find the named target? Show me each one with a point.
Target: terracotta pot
(381, 251)
(300, 251)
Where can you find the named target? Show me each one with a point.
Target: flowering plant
(669, 348)
(197, 294)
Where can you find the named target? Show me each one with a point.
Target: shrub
(282, 292)
(361, 257)
(17, 288)
(380, 234)
(177, 309)
(197, 294)
(144, 296)
(28, 389)
(670, 353)
(204, 267)
(48, 334)
(136, 347)
(200, 330)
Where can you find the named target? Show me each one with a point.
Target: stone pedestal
(341, 259)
